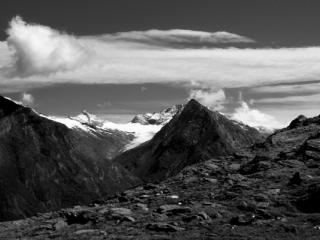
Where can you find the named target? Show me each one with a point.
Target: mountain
(44, 165)
(300, 138)
(272, 193)
(139, 130)
(158, 118)
(193, 135)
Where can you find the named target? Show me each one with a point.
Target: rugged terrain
(193, 135)
(45, 166)
(270, 190)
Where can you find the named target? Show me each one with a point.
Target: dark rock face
(194, 135)
(45, 166)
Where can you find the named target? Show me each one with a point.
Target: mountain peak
(158, 118)
(195, 134)
(193, 105)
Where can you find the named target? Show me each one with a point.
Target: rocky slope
(193, 135)
(263, 195)
(268, 191)
(45, 165)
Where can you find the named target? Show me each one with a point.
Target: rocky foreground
(211, 200)
(272, 194)
(215, 185)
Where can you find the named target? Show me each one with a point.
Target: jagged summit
(302, 120)
(298, 121)
(158, 118)
(194, 135)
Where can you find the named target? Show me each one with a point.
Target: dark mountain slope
(193, 135)
(44, 165)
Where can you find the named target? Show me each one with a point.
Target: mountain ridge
(271, 192)
(44, 165)
(193, 135)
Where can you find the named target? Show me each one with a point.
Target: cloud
(143, 89)
(38, 49)
(39, 55)
(305, 88)
(178, 38)
(27, 99)
(255, 118)
(291, 100)
(212, 99)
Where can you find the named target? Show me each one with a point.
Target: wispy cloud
(178, 38)
(255, 118)
(27, 99)
(212, 99)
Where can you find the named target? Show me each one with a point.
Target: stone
(234, 166)
(243, 219)
(85, 231)
(212, 166)
(163, 227)
(211, 180)
(60, 225)
(79, 216)
(173, 209)
(142, 206)
(313, 154)
(203, 215)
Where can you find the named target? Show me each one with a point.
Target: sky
(257, 61)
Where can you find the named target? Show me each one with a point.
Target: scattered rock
(121, 211)
(60, 225)
(211, 180)
(79, 216)
(212, 166)
(243, 219)
(258, 164)
(163, 227)
(234, 167)
(173, 209)
(85, 231)
(142, 206)
(203, 215)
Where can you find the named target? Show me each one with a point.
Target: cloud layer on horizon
(40, 56)
(35, 56)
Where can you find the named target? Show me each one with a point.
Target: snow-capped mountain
(158, 118)
(143, 126)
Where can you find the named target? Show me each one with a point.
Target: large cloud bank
(40, 55)
(38, 49)
(36, 55)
